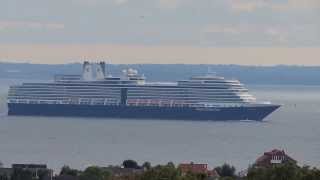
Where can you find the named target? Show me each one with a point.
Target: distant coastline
(260, 75)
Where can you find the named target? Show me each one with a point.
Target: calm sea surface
(80, 142)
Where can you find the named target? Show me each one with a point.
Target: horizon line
(218, 64)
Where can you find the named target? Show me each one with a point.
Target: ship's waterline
(222, 113)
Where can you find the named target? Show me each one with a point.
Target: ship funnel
(100, 70)
(87, 71)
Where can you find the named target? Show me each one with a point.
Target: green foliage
(309, 174)
(146, 165)
(66, 170)
(95, 173)
(130, 164)
(193, 176)
(170, 164)
(227, 178)
(226, 170)
(283, 172)
(166, 172)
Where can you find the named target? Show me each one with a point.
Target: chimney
(87, 71)
(101, 70)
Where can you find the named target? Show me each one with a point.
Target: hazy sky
(259, 32)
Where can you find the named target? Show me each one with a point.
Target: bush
(283, 172)
(226, 170)
(66, 170)
(130, 164)
(95, 173)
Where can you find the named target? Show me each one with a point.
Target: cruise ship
(97, 94)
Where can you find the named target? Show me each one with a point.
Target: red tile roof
(265, 159)
(275, 152)
(197, 168)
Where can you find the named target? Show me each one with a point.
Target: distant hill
(282, 74)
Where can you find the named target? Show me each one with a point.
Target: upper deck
(104, 89)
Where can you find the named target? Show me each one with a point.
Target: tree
(194, 176)
(226, 170)
(146, 165)
(161, 173)
(283, 172)
(95, 173)
(130, 164)
(171, 165)
(257, 174)
(66, 170)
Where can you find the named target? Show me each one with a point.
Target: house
(37, 171)
(197, 169)
(5, 173)
(274, 157)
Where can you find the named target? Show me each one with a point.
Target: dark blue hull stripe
(227, 113)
